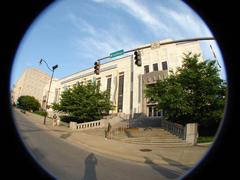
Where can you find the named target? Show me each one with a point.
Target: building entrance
(152, 111)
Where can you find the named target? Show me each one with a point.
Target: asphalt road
(66, 161)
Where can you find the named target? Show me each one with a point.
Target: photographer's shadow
(90, 167)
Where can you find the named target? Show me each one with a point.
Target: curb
(204, 144)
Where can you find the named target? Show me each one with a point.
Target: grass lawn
(205, 139)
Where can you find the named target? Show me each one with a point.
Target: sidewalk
(184, 157)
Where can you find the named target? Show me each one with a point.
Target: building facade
(126, 82)
(54, 93)
(31, 83)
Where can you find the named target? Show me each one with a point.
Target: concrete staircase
(160, 141)
(143, 136)
(154, 136)
(95, 132)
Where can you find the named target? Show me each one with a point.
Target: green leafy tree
(28, 103)
(86, 102)
(195, 93)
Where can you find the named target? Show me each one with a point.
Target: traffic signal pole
(165, 43)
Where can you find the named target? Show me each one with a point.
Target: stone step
(160, 141)
(151, 135)
(154, 137)
(168, 145)
(152, 140)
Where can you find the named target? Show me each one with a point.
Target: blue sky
(73, 33)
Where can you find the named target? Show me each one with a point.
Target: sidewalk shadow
(90, 167)
(167, 173)
(65, 136)
(175, 163)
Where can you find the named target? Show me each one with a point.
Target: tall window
(98, 82)
(109, 80)
(120, 92)
(56, 95)
(164, 65)
(146, 69)
(155, 67)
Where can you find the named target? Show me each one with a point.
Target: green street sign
(117, 53)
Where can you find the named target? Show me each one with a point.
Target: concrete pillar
(74, 125)
(58, 122)
(192, 133)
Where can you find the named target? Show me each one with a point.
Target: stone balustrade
(87, 125)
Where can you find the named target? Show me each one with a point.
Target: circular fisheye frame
(127, 89)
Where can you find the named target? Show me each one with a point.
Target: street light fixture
(53, 68)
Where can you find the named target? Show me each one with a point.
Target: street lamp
(53, 68)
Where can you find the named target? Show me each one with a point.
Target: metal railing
(145, 122)
(174, 128)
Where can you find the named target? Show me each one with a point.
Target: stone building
(126, 81)
(31, 83)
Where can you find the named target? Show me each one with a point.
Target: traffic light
(97, 67)
(137, 58)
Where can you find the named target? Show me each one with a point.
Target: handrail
(174, 128)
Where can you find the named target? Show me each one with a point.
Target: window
(98, 82)
(152, 111)
(146, 69)
(155, 67)
(109, 80)
(164, 65)
(56, 95)
(120, 92)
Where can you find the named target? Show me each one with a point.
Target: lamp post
(53, 68)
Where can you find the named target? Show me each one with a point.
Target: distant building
(126, 82)
(54, 93)
(31, 83)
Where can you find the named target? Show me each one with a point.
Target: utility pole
(53, 68)
(214, 55)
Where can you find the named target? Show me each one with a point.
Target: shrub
(28, 103)
(68, 119)
(41, 112)
(205, 139)
(85, 102)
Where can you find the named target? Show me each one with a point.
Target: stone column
(74, 125)
(192, 133)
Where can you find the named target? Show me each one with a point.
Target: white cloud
(143, 13)
(103, 43)
(99, 42)
(162, 21)
(98, 1)
(81, 24)
(165, 21)
(140, 12)
(186, 20)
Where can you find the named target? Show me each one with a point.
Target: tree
(86, 102)
(28, 103)
(194, 93)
